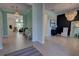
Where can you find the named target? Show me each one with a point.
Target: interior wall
(11, 21)
(41, 22)
(37, 23)
(24, 21)
(46, 23)
(1, 24)
(5, 27)
(1, 29)
(29, 19)
(48, 16)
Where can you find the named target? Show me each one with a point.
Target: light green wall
(5, 27)
(1, 23)
(1, 46)
(24, 21)
(29, 19)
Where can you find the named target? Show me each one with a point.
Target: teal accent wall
(29, 19)
(24, 21)
(5, 27)
(1, 46)
(1, 23)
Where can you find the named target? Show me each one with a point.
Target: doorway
(15, 40)
(14, 22)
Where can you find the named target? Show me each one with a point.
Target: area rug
(30, 51)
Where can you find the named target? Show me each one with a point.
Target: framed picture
(52, 23)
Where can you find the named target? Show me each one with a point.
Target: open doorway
(15, 40)
(10, 25)
(14, 23)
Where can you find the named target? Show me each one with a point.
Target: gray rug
(30, 51)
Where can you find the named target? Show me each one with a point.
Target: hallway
(15, 41)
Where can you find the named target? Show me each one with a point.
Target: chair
(28, 34)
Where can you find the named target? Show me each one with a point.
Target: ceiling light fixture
(17, 14)
(71, 15)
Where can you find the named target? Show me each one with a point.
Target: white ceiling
(60, 8)
(13, 17)
(23, 8)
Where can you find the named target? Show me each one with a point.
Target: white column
(37, 23)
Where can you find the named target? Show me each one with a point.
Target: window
(19, 23)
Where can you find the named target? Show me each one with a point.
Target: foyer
(54, 28)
